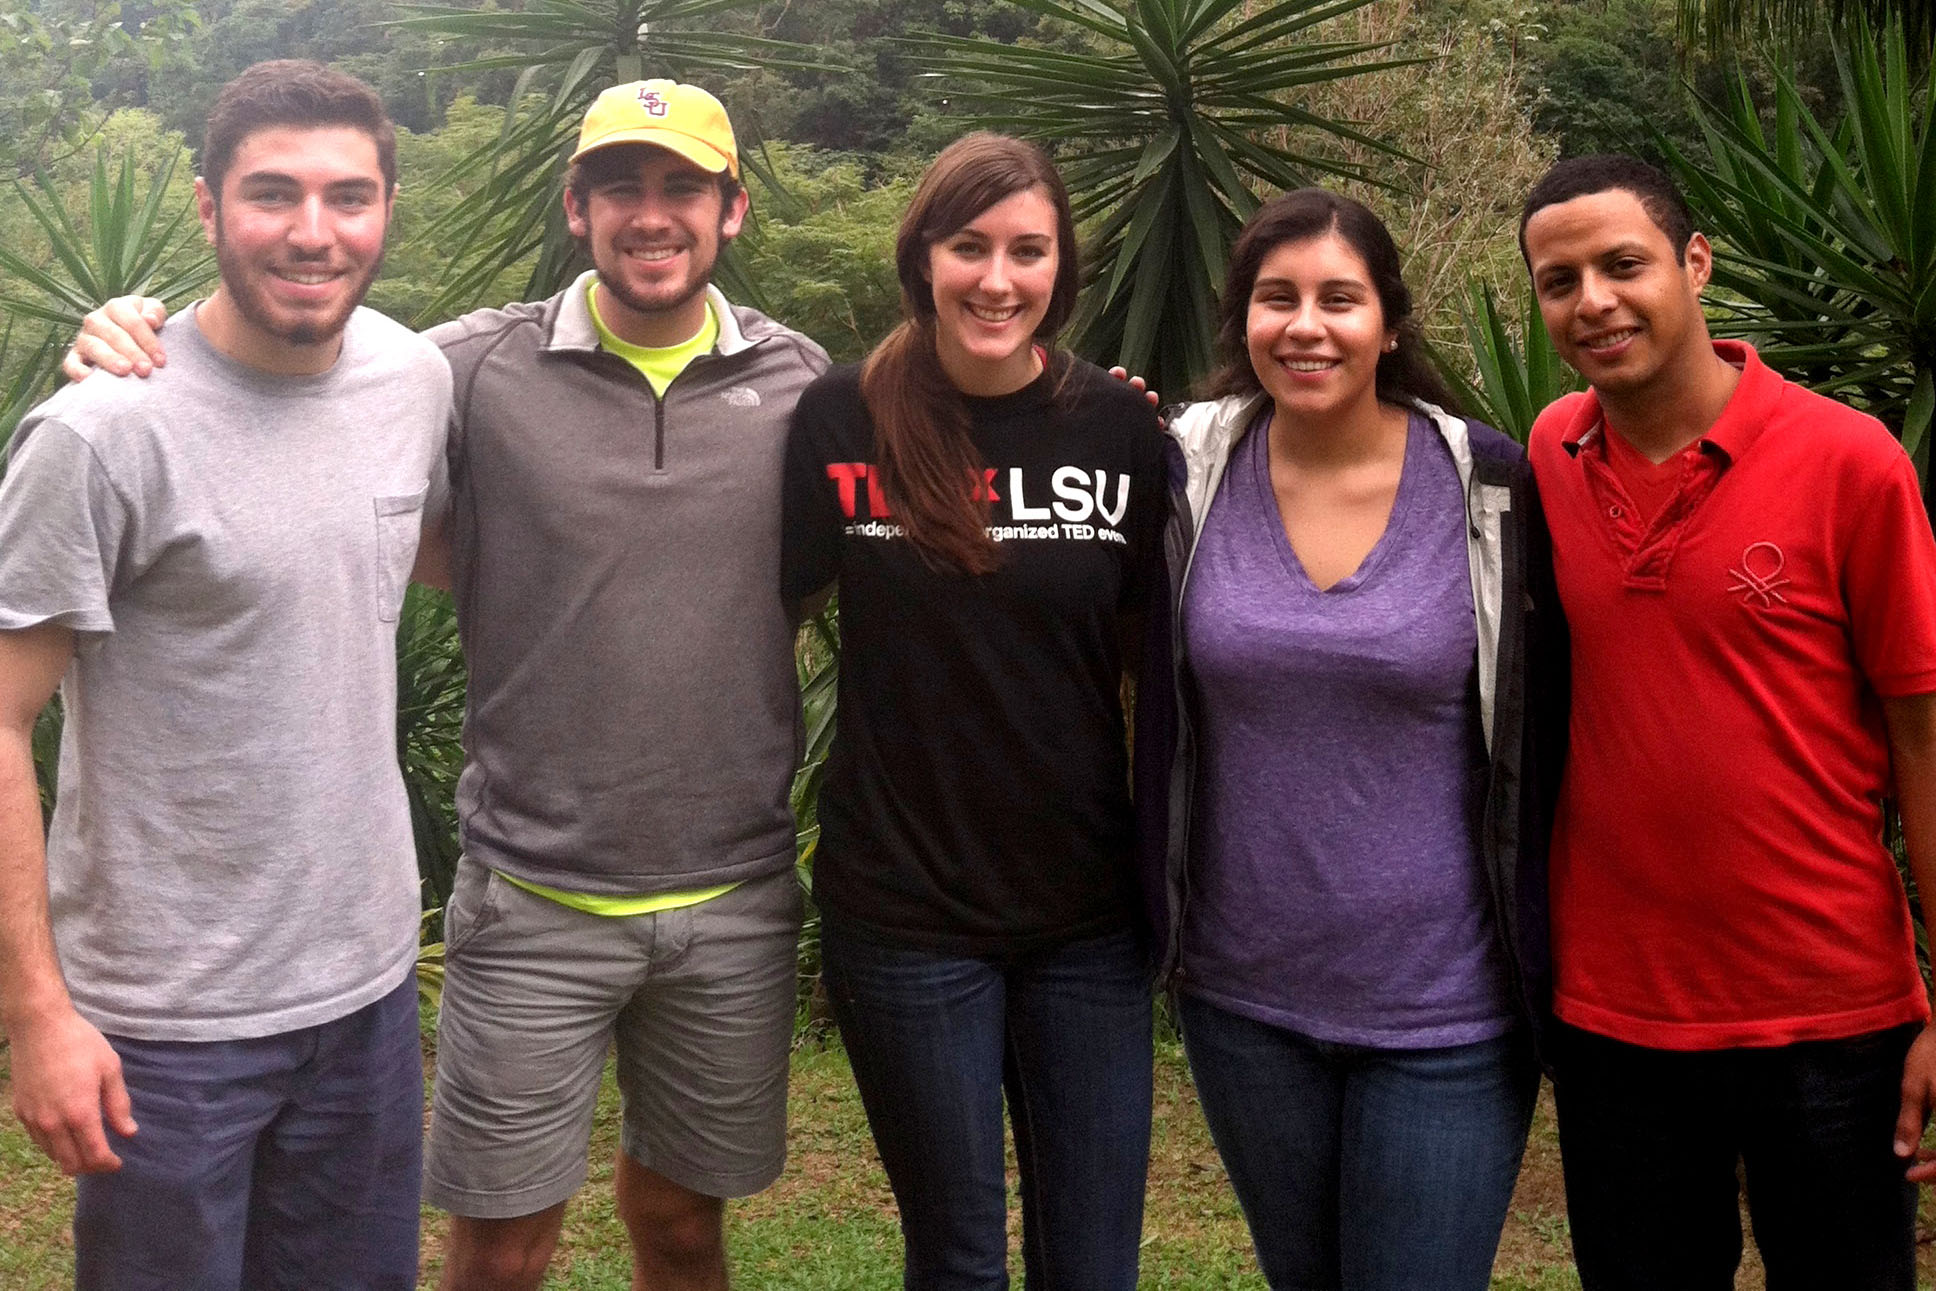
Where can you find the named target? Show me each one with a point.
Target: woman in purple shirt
(1351, 872)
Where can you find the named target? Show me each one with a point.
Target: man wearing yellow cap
(615, 457)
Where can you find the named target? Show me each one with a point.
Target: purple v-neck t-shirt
(1336, 887)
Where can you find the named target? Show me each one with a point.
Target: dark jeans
(1650, 1141)
(936, 1040)
(1369, 1169)
(286, 1163)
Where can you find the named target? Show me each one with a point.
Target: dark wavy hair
(928, 463)
(1405, 375)
(293, 92)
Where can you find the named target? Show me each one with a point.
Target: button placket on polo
(1647, 549)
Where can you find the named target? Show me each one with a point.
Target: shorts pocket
(472, 906)
(399, 521)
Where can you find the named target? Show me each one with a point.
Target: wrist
(34, 1006)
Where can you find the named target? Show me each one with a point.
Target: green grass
(829, 1224)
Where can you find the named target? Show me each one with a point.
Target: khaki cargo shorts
(699, 1002)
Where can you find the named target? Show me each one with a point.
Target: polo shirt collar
(573, 331)
(1733, 432)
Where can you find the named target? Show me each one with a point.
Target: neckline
(1388, 537)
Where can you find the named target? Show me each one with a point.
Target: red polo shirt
(1718, 873)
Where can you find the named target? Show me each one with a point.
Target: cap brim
(701, 155)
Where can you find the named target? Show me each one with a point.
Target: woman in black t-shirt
(986, 506)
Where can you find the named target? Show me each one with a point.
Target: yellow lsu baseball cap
(666, 114)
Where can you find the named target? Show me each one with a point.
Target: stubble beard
(236, 283)
(638, 304)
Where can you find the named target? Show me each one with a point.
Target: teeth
(987, 315)
(1310, 365)
(305, 279)
(653, 254)
(1611, 339)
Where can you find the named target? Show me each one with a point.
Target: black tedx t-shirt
(977, 796)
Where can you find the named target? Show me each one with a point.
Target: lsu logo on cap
(649, 100)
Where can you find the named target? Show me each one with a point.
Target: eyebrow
(278, 177)
(1628, 246)
(1329, 284)
(970, 231)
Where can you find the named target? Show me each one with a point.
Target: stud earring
(1391, 346)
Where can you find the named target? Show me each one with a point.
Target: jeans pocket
(399, 521)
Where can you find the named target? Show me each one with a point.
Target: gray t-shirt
(231, 854)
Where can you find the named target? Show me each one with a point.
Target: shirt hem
(1758, 1033)
(1006, 943)
(1443, 1036)
(253, 1026)
(604, 884)
(1904, 684)
(80, 620)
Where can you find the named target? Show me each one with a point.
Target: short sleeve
(810, 518)
(1889, 585)
(62, 527)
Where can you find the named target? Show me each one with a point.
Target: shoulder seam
(94, 455)
(490, 344)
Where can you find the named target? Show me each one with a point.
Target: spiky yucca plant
(1518, 375)
(1825, 233)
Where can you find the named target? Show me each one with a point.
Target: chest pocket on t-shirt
(399, 519)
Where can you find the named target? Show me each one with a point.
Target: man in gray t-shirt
(214, 952)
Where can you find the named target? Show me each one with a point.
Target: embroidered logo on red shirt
(1760, 575)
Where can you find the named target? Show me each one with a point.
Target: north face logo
(652, 103)
(741, 396)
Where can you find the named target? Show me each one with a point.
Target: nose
(1304, 322)
(650, 213)
(310, 230)
(995, 277)
(1596, 293)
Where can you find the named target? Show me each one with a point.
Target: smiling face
(1618, 305)
(992, 280)
(1316, 331)
(298, 233)
(654, 233)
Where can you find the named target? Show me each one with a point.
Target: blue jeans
(285, 1163)
(1366, 1169)
(936, 1040)
(1650, 1140)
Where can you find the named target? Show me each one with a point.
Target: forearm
(30, 979)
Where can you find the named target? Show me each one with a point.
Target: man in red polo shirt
(1750, 581)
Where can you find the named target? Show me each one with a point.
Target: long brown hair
(928, 463)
